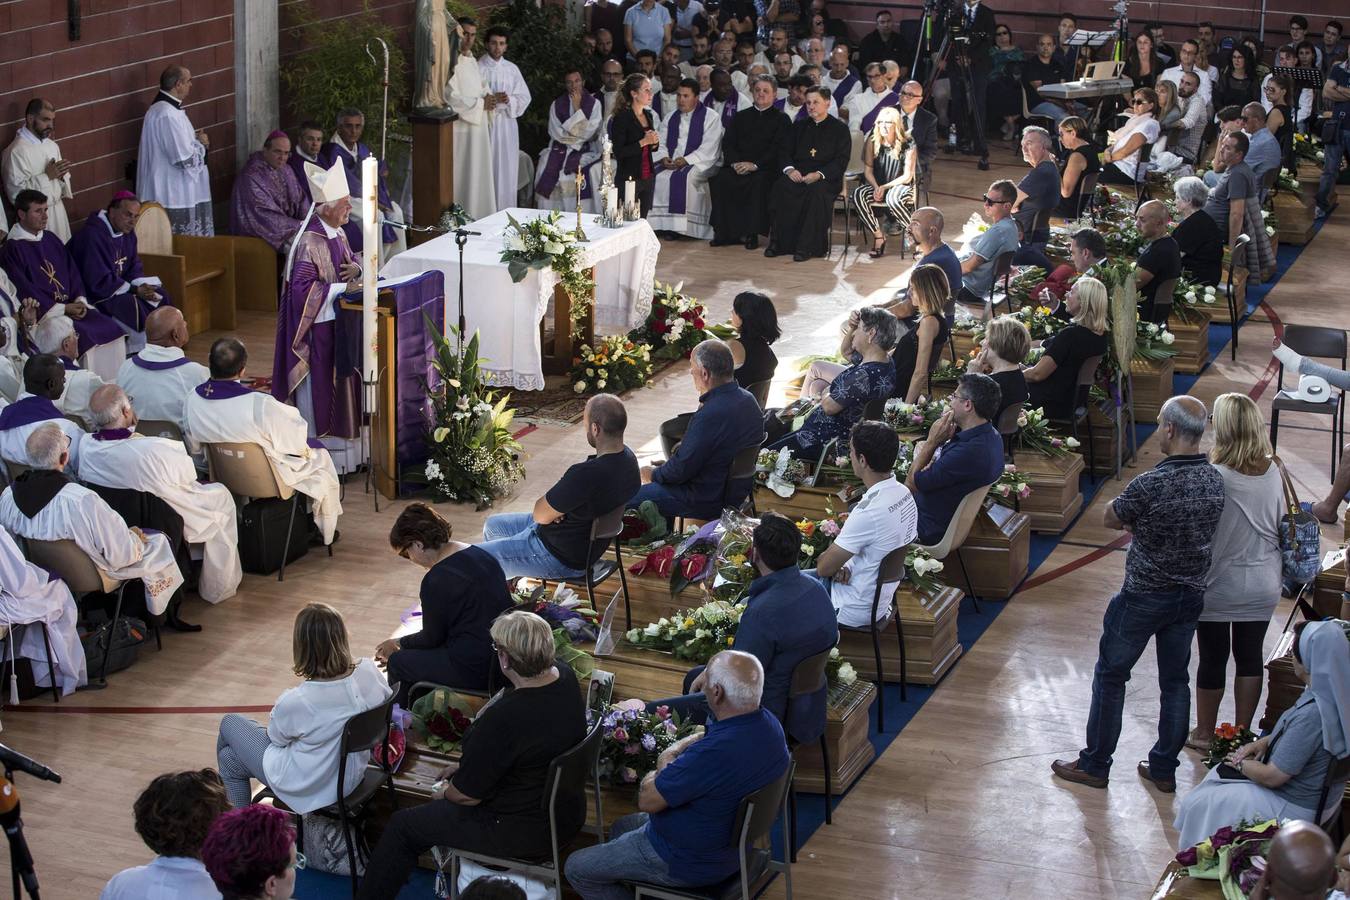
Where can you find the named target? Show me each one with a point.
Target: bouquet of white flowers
(543, 243)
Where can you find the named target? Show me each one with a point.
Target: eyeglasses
(990, 201)
(1138, 100)
(300, 861)
(911, 95)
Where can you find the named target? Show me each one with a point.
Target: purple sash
(70, 364)
(561, 158)
(728, 108)
(314, 443)
(891, 99)
(27, 411)
(842, 88)
(801, 110)
(656, 104)
(112, 434)
(222, 390)
(153, 366)
(679, 179)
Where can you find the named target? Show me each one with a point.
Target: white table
(507, 315)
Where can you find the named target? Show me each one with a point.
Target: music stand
(1308, 78)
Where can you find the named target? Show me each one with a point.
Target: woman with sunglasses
(1005, 81)
(1121, 160)
(463, 591)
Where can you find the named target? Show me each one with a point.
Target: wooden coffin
(941, 389)
(805, 503)
(931, 647)
(1283, 687)
(995, 553)
(1296, 212)
(1152, 380)
(964, 342)
(1326, 593)
(1055, 498)
(1192, 343)
(649, 595)
(1104, 439)
(1175, 884)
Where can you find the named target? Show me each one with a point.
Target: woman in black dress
(1080, 159)
(1006, 343)
(634, 136)
(1053, 382)
(756, 321)
(463, 591)
(920, 349)
(1143, 65)
(1280, 118)
(1238, 83)
(1197, 234)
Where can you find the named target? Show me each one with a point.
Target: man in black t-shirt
(554, 541)
(1159, 261)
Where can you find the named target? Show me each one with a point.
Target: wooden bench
(197, 272)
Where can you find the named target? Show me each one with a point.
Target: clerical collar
(27, 135)
(170, 99)
(154, 358)
(337, 139)
(111, 434)
(764, 108)
(103, 216)
(328, 230)
(303, 155)
(18, 232)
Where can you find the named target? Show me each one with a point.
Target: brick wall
(102, 84)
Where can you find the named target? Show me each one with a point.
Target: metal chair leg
(792, 820)
(829, 781)
(881, 679)
(900, 635)
(623, 582)
(51, 666)
(290, 526)
(970, 585)
(112, 633)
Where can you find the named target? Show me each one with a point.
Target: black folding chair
(891, 570)
(808, 676)
(1320, 343)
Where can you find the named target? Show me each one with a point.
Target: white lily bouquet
(543, 242)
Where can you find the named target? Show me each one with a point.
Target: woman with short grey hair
(1197, 234)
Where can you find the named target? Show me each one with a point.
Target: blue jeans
(596, 872)
(1131, 619)
(513, 540)
(1051, 111)
(1331, 170)
(667, 503)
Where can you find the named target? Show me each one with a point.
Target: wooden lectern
(433, 171)
(383, 432)
(556, 352)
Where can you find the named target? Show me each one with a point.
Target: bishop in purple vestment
(267, 201)
(110, 266)
(42, 269)
(304, 370)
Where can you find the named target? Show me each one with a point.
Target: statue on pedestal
(436, 48)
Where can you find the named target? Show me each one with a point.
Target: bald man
(159, 378)
(1300, 866)
(1159, 261)
(1172, 512)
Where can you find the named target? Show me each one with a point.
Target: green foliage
(544, 44)
(333, 71)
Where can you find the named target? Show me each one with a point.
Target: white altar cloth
(507, 315)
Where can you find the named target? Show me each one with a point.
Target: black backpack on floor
(262, 533)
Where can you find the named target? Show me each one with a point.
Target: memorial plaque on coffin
(996, 552)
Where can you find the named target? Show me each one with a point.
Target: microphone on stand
(20, 859)
(11, 760)
(428, 229)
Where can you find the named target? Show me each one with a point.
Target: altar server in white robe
(723, 98)
(842, 81)
(45, 504)
(507, 98)
(692, 148)
(34, 162)
(665, 101)
(159, 378)
(56, 335)
(13, 316)
(28, 595)
(864, 106)
(224, 411)
(44, 379)
(115, 456)
(171, 165)
(573, 123)
(473, 143)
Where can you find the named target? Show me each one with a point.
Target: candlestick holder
(580, 234)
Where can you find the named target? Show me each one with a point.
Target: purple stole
(563, 160)
(45, 271)
(108, 262)
(153, 366)
(656, 103)
(728, 108)
(70, 364)
(782, 104)
(842, 88)
(891, 99)
(680, 179)
(297, 164)
(111, 434)
(27, 411)
(221, 390)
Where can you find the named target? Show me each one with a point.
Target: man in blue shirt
(693, 481)
(1336, 89)
(951, 463)
(788, 618)
(977, 266)
(925, 228)
(683, 836)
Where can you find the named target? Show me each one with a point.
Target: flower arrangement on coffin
(1188, 296)
(734, 571)
(1272, 222)
(544, 242)
(1227, 738)
(841, 472)
(911, 418)
(675, 325)
(615, 364)
(1034, 434)
(1010, 487)
(919, 565)
(1153, 341)
(1309, 148)
(817, 536)
(571, 620)
(692, 634)
(780, 472)
(838, 671)
(472, 456)
(440, 718)
(1287, 181)
(1234, 855)
(1040, 321)
(947, 373)
(1020, 285)
(633, 739)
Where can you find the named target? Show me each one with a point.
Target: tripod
(970, 118)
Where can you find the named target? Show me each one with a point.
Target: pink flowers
(620, 734)
(829, 527)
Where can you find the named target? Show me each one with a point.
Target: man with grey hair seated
(1172, 511)
(117, 457)
(684, 834)
(1037, 192)
(693, 481)
(46, 504)
(56, 335)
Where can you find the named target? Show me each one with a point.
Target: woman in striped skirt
(889, 164)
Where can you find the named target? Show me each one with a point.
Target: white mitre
(327, 186)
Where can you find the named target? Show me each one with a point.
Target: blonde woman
(1053, 381)
(296, 754)
(890, 160)
(1243, 584)
(920, 348)
(1006, 343)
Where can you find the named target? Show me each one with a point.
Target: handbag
(1300, 536)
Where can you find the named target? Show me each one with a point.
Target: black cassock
(799, 214)
(740, 203)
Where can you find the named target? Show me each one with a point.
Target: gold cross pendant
(813, 152)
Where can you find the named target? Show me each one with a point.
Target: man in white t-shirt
(885, 519)
(1190, 55)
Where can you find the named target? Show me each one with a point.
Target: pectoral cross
(119, 263)
(813, 152)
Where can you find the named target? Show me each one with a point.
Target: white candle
(370, 262)
(613, 198)
(629, 192)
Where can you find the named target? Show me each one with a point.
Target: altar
(507, 315)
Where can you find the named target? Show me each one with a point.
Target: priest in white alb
(56, 335)
(841, 80)
(864, 106)
(345, 147)
(466, 94)
(116, 457)
(33, 162)
(46, 504)
(30, 594)
(507, 98)
(159, 378)
(573, 123)
(15, 320)
(691, 144)
(44, 380)
(171, 166)
(225, 411)
(723, 98)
